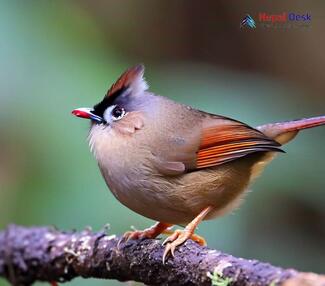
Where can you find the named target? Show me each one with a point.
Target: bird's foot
(151, 232)
(180, 236)
(177, 238)
(137, 234)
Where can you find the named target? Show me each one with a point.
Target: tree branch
(47, 254)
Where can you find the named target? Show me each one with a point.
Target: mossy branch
(47, 254)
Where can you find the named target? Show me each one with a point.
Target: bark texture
(47, 254)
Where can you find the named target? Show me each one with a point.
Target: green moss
(217, 278)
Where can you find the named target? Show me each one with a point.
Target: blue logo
(248, 21)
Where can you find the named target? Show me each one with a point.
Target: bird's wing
(224, 140)
(219, 141)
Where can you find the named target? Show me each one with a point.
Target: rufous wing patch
(228, 140)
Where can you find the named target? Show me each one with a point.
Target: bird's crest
(132, 78)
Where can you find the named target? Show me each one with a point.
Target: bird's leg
(180, 236)
(151, 232)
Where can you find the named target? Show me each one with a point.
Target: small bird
(176, 164)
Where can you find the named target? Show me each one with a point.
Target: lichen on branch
(47, 254)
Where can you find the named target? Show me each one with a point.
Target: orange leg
(151, 232)
(180, 236)
(53, 283)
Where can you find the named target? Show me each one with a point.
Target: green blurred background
(58, 55)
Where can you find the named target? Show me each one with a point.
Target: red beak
(82, 112)
(87, 113)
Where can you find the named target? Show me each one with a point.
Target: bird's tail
(283, 132)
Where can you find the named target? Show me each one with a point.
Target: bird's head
(121, 108)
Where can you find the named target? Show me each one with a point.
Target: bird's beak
(87, 113)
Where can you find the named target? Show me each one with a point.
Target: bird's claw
(135, 234)
(138, 234)
(170, 248)
(176, 239)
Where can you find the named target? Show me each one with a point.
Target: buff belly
(177, 200)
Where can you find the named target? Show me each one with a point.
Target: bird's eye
(118, 113)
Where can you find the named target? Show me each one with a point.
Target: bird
(175, 164)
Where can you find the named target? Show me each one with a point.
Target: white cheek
(100, 139)
(107, 114)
